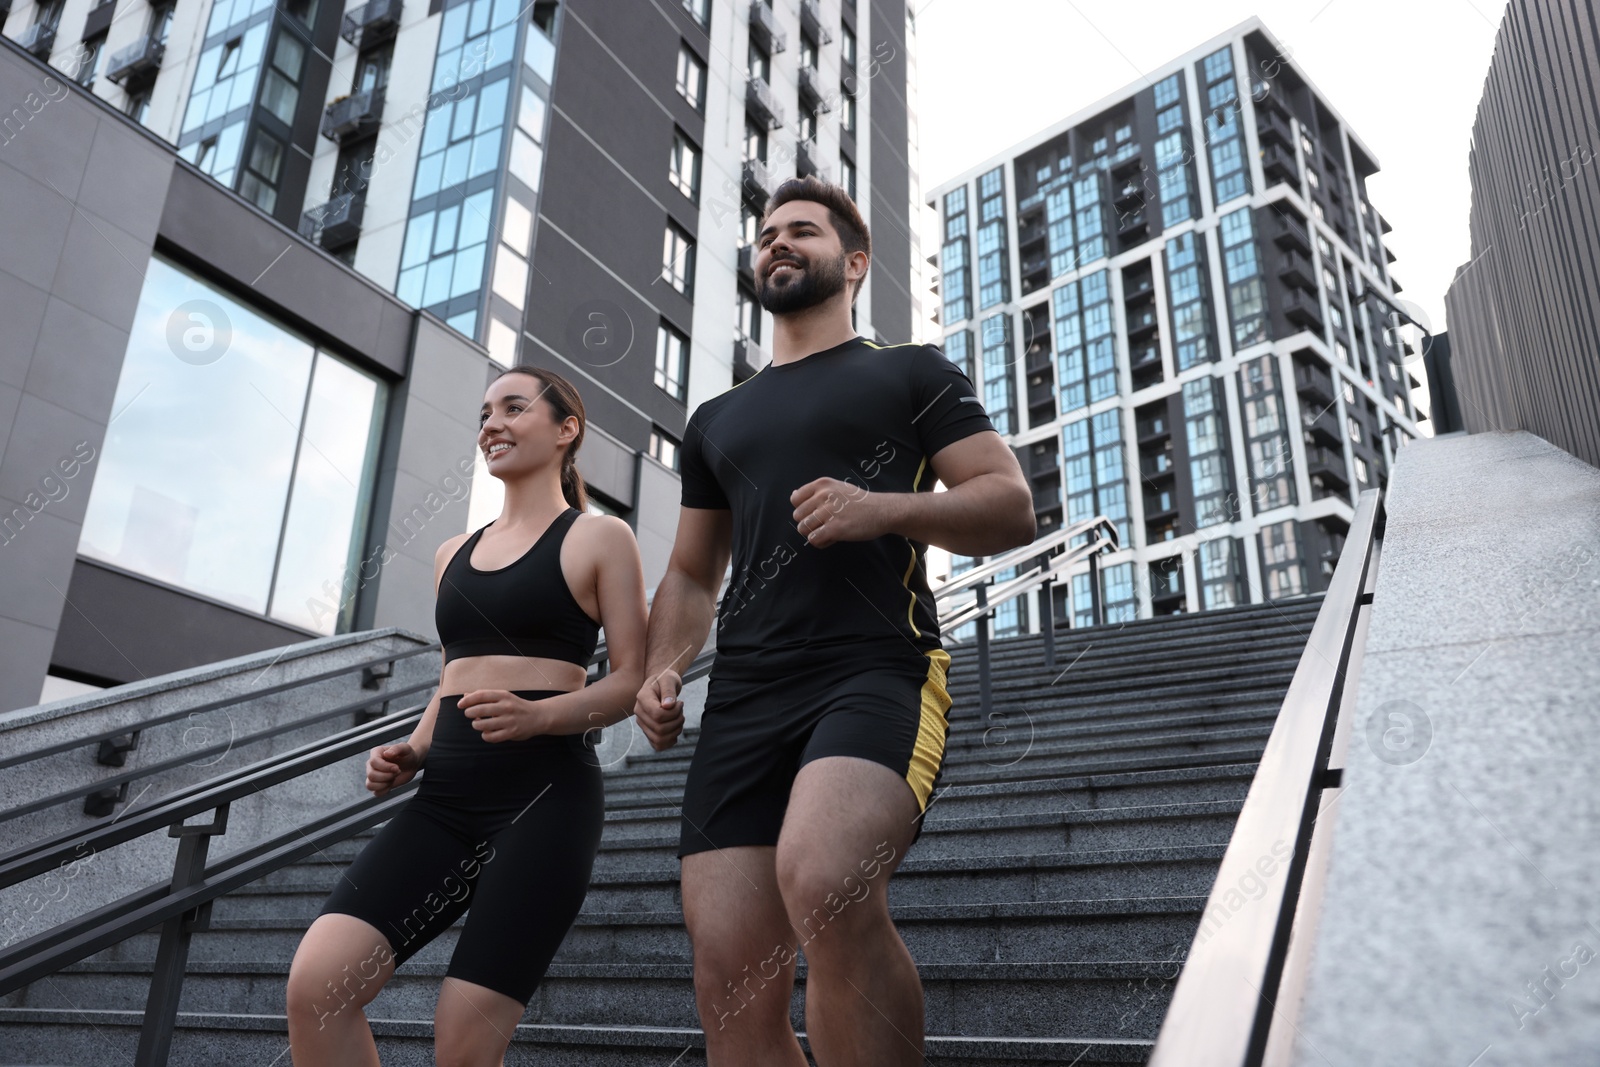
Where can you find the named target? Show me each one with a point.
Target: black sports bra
(523, 609)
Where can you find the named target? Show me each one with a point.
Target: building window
(663, 449)
(1189, 298)
(138, 105)
(808, 125)
(847, 48)
(994, 284)
(701, 11)
(92, 49)
(1363, 475)
(1086, 344)
(1221, 575)
(958, 350)
(808, 52)
(262, 170)
(274, 528)
(847, 176)
(1242, 268)
(1096, 476)
(1283, 569)
(760, 61)
(672, 362)
(755, 141)
(1118, 596)
(954, 279)
(1266, 435)
(684, 167)
(847, 113)
(691, 77)
(999, 385)
(747, 316)
(1230, 178)
(1206, 432)
(677, 260)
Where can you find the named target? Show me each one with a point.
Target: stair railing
(1046, 559)
(182, 906)
(1242, 960)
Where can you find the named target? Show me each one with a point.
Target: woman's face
(517, 428)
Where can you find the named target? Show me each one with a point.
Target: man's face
(799, 260)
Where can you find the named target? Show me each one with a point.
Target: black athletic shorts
(758, 731)
(505, 832)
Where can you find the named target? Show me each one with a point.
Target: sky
(1406, 75)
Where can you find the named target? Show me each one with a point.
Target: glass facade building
(1197, 322)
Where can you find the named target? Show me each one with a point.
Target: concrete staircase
(1050, 903)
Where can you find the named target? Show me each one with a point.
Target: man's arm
(681, 615)
(986, 509)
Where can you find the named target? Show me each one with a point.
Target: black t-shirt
(858, 412)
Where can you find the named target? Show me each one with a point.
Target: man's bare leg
(848, 826)
(744, 957)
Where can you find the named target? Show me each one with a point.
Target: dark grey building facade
(1524, 312)
(248, 308)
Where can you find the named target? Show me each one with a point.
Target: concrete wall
(1458, 923)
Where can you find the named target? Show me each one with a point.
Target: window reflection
(238, 460)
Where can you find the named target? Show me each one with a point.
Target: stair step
(100, 1036)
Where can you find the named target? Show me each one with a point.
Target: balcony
(1295, 269)
(1286, 231)
(137, 62)
(1042, 394)
(1302, 308)
(1279, 161)
(748, 357)
(1128, 194)
(1127, 160)
(747, 263)
(1152, 429)
(811, 22)
(1156, 466)
(1031, 234)
(760, 101)
(806, 156)
(1131, 224)
(1043, 466)
(1142, 323)
(756, 182)
(1143, 361)
(1321, 425)
(1047, 499)
(764, 28)
(1273, 126)
(1327, 464)
(1160, 505)
(335, 224)
(1140, 291)
(370, 23)
(1314, 383)
(351, 117)
(38, 39)
(811, 91)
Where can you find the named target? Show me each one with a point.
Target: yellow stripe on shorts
(929, 750)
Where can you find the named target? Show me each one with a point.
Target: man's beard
(818, 281)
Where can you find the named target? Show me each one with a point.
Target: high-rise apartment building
(384, 203)
(1178, 307)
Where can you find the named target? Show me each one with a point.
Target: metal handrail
(182, 906)
(1048, 543)
(1223, 1004)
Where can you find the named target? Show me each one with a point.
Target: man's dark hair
(842, 213)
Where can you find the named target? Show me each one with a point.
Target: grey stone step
(1045, 794)
(1187, 870)
(999, 932)
(1006, 999)
(1094, 665)
(1048, 756)
(110, 1036)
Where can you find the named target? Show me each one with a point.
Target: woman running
(507, 818)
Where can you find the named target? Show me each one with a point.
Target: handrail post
(1047, 617)
(985, 697)
(1095, 598)
(172, 954)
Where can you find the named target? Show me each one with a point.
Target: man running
(826, 718)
